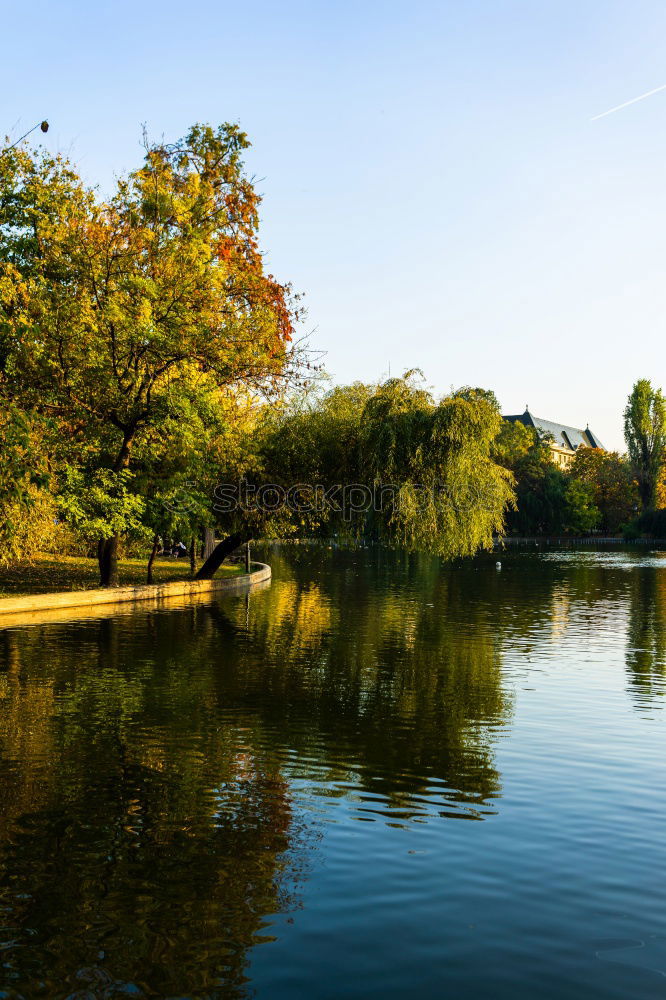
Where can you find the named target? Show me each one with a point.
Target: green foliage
(597, 491)
(100, 504)
(425, 467)
(26, 506)
(314, 440)
(513, 443)
(645, 434)
(179, 460)
(451, 495)
(540, 486)
(540, 493)
(108, 308)
(631, 531)
(581, 514)
(610, 478)
(128, 320)
(651, 522)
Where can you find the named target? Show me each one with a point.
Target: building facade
(564, 441)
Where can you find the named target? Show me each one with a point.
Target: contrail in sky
(627, 103)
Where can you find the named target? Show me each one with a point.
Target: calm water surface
(378, 777)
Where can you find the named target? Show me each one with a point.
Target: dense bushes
(651, 522)
(597, 492)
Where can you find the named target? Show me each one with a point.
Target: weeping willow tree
(431, 468)
(396, 465)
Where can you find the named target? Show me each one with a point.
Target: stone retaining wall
(30, 606)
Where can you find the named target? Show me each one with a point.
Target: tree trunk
(156, 545)
(107, 557)
(647, 490)
(219, 554)
(193, 556)
(107, 548)
(209, 542)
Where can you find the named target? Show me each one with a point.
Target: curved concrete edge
(27, 607)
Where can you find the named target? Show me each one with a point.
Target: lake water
(379, 777)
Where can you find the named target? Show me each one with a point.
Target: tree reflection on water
(153, 765)
(147, 827)
(142, 844)
(646, 636)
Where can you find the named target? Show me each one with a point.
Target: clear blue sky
(431, 177)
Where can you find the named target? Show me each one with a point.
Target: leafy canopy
(109, 309)
(426, 466)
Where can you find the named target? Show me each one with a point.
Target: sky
(432, 179)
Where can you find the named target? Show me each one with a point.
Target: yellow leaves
(13, 288)
(119, 304)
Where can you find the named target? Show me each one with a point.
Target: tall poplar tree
(645, 434)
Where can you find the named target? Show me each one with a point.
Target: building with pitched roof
(564, 441)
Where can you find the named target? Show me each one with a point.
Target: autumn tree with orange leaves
(112, 310)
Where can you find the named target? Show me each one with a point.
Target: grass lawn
(48, 573)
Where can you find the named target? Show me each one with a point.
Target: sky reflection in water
(261, 795)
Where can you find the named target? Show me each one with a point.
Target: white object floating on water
(498, 565)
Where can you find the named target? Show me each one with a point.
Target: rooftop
(563, 436)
